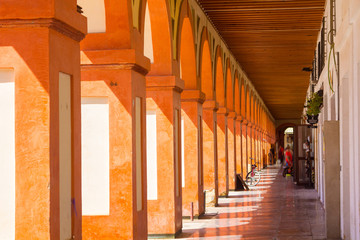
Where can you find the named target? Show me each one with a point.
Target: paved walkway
(275, 209)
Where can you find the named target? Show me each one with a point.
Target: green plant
(314, 104)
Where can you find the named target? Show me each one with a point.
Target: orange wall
(222, 146)
(37, 126)
(231, 150)
(244, 150)
(238, 146)
(193, 190)
(165, 214)
(124, 222)
(209, 147)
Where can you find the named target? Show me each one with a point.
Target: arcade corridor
(275, 209)
(121, 118)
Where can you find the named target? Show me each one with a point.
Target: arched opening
(252, 107)
(219, 80)
(237, 99)
(187, 56)
(161, 38)
(289, 137)
(248, 105)
(229, 89)
(243, 100)
(206, 69)
(148, 41)
(163, 151)
(191, 128)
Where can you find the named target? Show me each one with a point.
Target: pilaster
(39, 52)
(231, 119)
(210, 158)
(163, 97)
(222, 147)
(193, 183)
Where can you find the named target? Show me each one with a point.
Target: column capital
(223, 110)
(166, 82)
(211, 105)
(232, 115)
(193, 95)
(240, 118)
(121, 59)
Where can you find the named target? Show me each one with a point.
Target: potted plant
(313, 106)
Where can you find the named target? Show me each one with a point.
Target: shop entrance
(304, 155)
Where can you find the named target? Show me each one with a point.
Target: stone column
(163, 99)
(193, 183)
(120, 85)
(245, 147)
(239, 145)
(231, 129)
(222, 146)
(249, 147)
(40, 66)
(210, 152)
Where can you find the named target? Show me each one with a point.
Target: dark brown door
(302, 133)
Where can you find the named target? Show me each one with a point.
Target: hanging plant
(313, 106)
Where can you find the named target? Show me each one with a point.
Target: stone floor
(275, 209)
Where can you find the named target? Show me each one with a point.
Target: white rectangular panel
(183, 151)
(151, 153)
(138, 136)
(176, 136)
(65, 155)
(7, 154)
(95, 156)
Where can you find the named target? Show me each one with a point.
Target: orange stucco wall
(249, 144)
(37, 54)
(231, 150)
(113, 65)
(244, 149)
(210, 147)
(222, 147)
(124, 221)
(238, 146)
(193, 190)
(165, 214)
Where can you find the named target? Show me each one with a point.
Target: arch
(219, 79)
(229, 88)
(161, 37)
(187, 59)
(148, 41)
(206, 83)
(237, 99)
(117, 37)
(279, 131)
